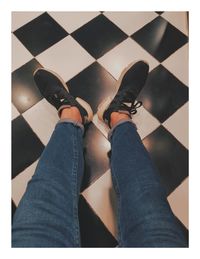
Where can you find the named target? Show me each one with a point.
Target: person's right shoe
(130, 84)
(55, 91)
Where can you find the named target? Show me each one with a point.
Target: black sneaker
(130, 84)
(55, 91)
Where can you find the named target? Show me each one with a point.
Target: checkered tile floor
(89, 50)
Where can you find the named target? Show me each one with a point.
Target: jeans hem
(75, 123)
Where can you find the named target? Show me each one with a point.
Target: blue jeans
(47, 215)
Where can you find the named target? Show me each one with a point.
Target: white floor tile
(101, 126)
(123, 54)
(21, 18)
(178, 124)
(15, 112)
(102, 199)
(42, 118)
(67, 58)
(19, 183)
(178, 19)
(145, 122)
(20, 54)
(130, 22)
(71, 21)
(178, 64)
(179, 202)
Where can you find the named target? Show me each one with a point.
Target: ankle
(115, 117)
(72, 113)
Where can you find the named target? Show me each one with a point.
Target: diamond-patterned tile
(15, 112)
(71, 21)
(42, 117)
(102, 198)
(19, 183)
(40, 33)
(26, 146)
(160, 12)
(178, 124)
(169, 157)
(21, 18)
(178, 19)
(123, 54)
(178, 65)
(163, 93)
(20, 55)
(24, 90)
(93, 231)
(155, 37)
(141, 119)
(160, 38)
(93, 84)
(99, 36)
(95, 154)
(179, 202)
(130, 22)
(67, 58)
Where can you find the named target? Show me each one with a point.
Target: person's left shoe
(55, 91)
(130, 84)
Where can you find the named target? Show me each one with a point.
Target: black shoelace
(121, 102)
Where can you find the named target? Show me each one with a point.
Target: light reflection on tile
(96, 148)
(125, 53)
(163, 93)
(178, 19)
(160, 38)
(24, 91)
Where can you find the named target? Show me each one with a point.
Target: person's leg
(144, 216)
(47, 215)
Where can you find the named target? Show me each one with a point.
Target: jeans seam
(74, 190)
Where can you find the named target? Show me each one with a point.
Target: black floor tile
(13, 208)
(159, 13)
(169, 156)
(96, 147)
(160, 38)
(163, 93)
(93, 231)
(40, 33)
(24, 90)
(99, 36)
(93, 84)
(184, 230)
(26, 146)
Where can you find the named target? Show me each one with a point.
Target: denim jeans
(47, 215)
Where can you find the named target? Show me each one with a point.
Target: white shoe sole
(83, 103)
